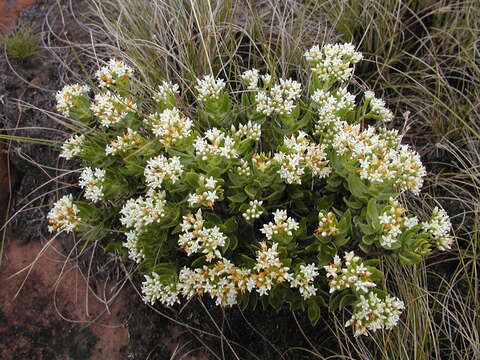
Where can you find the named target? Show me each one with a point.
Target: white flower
(353, 274)
(332, 62)
(380, 157)
(67, 96)
(140, 212)
(244, 168)
(92, 180)
(372, 313)
(170, 126)
(111, 109)
(129, 139)
(250, 78)
(64, 215)
(72, 147)
(153, 290)
(279, 99)
(215, 143)
(207, 193)
(282, 225)
(303, 280)
(301, 155)
(134, 252)
(195, 238)
(114, 71)
(208, 88)
(160, 169)
(378, 108)
(250, 130)
(327, 224)
(164, 91)
(440, 226)
(254, 211)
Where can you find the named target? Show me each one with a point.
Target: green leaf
(377, 275)
(165, 270)
(356, 186)
(325, 254)
(230, 226)
(212, 218)
(295, 194)
(115, 245)
(233, 242)
(368, 239)
(341, 240)
(247, 260)
(191, 179)
(199, 261)
(409, 257)
(345, 300)
(275, 298)
(251, 190)
(366, 229)
(239, 197)
(313, 312)
(353, 204)
(372, 211)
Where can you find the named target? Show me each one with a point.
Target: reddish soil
(47, 311)
(10, 10)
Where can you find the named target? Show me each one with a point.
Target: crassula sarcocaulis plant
(282, 193)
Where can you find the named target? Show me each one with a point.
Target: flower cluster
(440, 226)
(73, 146)
(164, 91)
(327, 224)
(254, 210)
(160, 169)
(244, 168)
(380, 157)
(140, 212)
(280, 99)
(207, 193)
(304, 280)
(330, 106)
(301, 154)
(195, 238)
(250, 78)
(223, 281)
(215, 143)
(153, 289)
(208, 88)
(251, 131)
(64, 215)
(281, 225)
(67, 96)
(394, 223)
(332, 62)
(270, 270)
(128, 140)
(170, 126)
(92, 180)
(377, 107)
(111, 109)
(372, 313)
(351, 273)
(116, 71)
(131, 244)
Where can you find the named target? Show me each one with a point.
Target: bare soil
(10, 10)
(47, 310)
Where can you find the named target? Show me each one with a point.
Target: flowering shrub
(269, 196)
